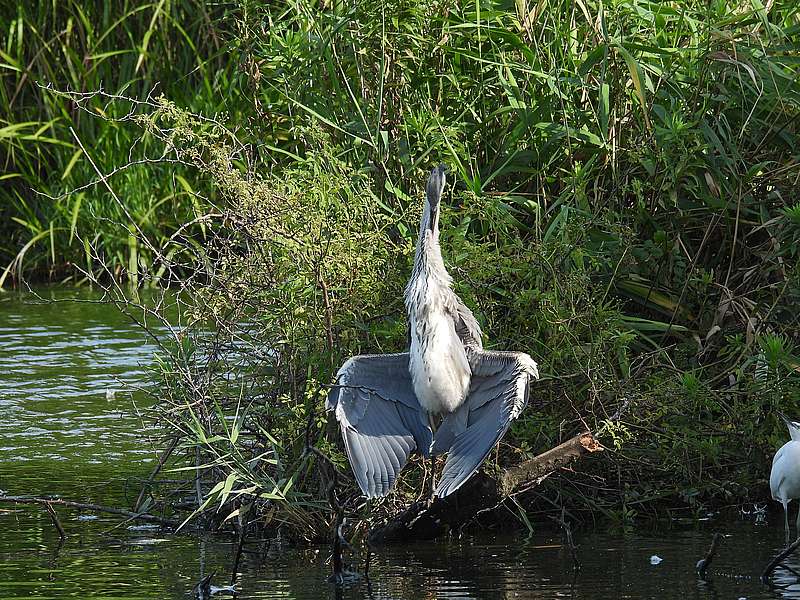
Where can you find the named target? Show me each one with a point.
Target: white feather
(438, 362)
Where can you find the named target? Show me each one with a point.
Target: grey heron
(385, 403)
(784, 478)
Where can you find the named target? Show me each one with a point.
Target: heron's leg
(797, 523)
(432, 487)
(786, 517)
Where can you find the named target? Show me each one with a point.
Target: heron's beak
(433, 223)
(433, 191)
(785, 419)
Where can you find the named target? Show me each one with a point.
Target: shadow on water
(62, 432)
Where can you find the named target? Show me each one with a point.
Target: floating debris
(345, 577)
(144, 527)
(223, 589)
(203, 589)
(654, 560)
(149, 541)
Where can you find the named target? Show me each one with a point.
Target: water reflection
(786, 582)
(510, 567)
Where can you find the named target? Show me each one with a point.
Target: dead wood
(533, 471)
(428, 520)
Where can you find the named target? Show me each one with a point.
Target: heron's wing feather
(380, 418)
(466, 325)
(498, 393)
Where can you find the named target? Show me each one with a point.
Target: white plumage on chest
(784, 480)
(438, 362)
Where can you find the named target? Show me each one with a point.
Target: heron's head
(433, 196)
(794, 426)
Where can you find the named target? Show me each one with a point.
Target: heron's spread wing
(380, 418)
(498, 393)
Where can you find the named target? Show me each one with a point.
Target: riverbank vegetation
(624, 208)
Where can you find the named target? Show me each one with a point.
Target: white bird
(384, 403)
(784, 479)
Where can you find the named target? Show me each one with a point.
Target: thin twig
(239, 546)
(87, 506)
(54, 517)
(573, 549)
(367, 559)
(161, 460)
(338, 542)
(197, 487)
(704, 563)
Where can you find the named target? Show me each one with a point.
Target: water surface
(69, 425)
(68, 374)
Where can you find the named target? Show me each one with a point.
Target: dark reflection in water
(146, 563)
(64, 428)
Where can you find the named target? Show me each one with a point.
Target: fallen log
(428, 520)
(534, 471)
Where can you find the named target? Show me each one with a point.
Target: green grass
(173, 48)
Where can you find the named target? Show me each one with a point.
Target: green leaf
(636, 77)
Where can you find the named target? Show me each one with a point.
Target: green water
(69, 427)
(67, 369)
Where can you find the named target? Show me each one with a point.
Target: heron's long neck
(430, 282)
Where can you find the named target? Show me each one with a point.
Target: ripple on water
(58, 362)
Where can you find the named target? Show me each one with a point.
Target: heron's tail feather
(451, 427)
